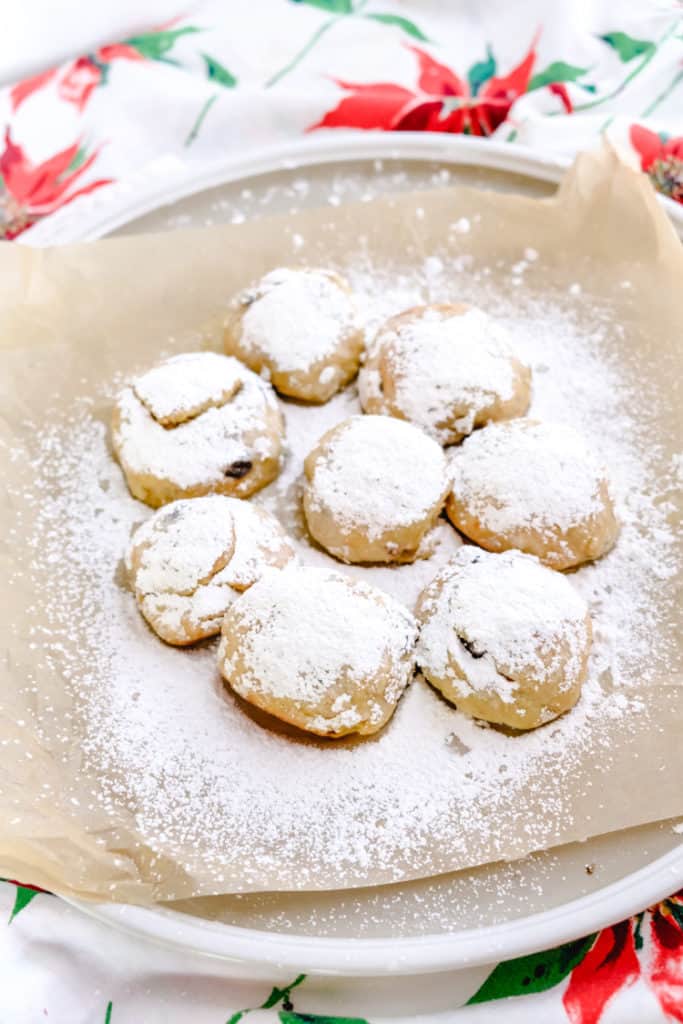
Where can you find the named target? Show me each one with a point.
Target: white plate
(436, 925)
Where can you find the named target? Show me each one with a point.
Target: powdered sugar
(186, 385)
(189, 561)
(296, 317)
(199, 451)
(308, 629)
(259, 541)
(525, 473)
(377, 474)
(181, 546)
(447, 368)
(499, 617)
(217, 792)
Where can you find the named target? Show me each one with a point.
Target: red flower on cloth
(82, 76)
(442, 101)
(85, 74)
(662, 158)
(29, 191)
(613, 963)
(22, 90)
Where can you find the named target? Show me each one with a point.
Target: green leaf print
(332, 6)
(277, 995)
(558, 71)
(677, 912)
(395, 19)
(480, 72)
(22, 898)
(626, 46)
(155, 45)
(534, 973)
(281, 994)
(218, 72)
(107, 1016)
(199, 120)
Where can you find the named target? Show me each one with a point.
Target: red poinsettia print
(22, 90)
(613, 964)
(609, 966)
(29, 191)
(666, 965)
(85, 74)
(662, 158)
(79, 79)
(442, 100)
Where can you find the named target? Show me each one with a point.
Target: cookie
(299, 328)
(533, 486)
(190, 560)
(504, 638)
(374, 487)
(196, 424)
(446, 368)
(325, 653)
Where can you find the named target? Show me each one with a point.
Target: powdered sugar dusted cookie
(190, 560)
(504, 638)
(533, 486)
(446, 368)
(374, 488)
(316, 649)
(300, 328)
(196, 424)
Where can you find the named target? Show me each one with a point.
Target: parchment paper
(75, 317)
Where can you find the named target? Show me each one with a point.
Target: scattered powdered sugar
(376, 474)
(296, 317)
(219, 793)
(444, 366)
(306, 629)
(499, 617)
(201, 449)
(184, 386)
(527, 473)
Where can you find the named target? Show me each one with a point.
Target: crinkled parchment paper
(93, 801)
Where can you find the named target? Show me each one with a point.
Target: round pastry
(298, 327)
(374, 488)
(504, 638)
(190, 560)
(197, 424)
(326, 653)
(533, 486)
(446, 368)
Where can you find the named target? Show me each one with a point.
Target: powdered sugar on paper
(218, 792)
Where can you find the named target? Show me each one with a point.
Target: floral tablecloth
(227, 77)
